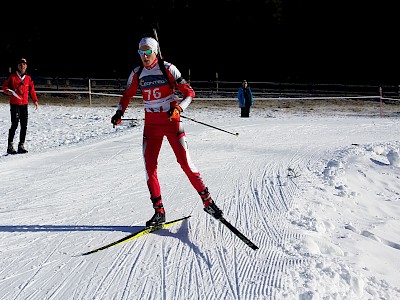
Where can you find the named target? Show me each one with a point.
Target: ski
(238, 233)
(137, 234)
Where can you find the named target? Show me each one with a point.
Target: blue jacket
(242, 100)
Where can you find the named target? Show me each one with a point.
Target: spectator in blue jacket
(245, 99)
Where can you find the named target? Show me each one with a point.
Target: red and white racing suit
(158, 98)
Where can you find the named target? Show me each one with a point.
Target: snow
(317, 191)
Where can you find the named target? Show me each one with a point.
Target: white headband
(149, 41)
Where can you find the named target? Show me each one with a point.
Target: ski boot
(159, 216)
(157, 219)
(209, 205)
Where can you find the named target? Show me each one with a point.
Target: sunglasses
(147, 52)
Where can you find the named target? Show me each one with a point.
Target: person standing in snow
(158, 81)
(19, 86)
(245, 99)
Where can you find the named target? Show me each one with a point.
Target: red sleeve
(32, 90)
(129, 93)
(5, 84)
(185, 89)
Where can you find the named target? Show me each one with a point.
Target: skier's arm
(128, 93)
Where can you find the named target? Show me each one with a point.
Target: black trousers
(245, 112)
(19, 115)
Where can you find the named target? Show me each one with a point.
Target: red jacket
(22, 86)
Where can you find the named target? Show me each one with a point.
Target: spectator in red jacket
(19, 86)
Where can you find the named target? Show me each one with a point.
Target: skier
(158, 80)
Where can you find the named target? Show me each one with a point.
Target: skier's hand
(175, 112)
(117, 118)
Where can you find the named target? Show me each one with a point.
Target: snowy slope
(318, 193)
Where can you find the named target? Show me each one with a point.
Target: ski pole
(237, 133)
(155, 35)
(133, 119)
(159, 51)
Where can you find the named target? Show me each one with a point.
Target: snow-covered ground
(318, 192)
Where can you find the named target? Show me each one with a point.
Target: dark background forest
(277, 41)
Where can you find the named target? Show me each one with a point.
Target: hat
(22, 61)
(244, 81)
(149, 41)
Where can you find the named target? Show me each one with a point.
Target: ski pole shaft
(130, 119)
(155, 35)
(236, 133)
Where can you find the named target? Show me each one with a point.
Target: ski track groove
(54, 171)
(119, 264)
(31, 278)
(190, 269)
(54, 292)
(204, 282)
(225, 273)
(214, 276)
(163, 263)
(6, 267)
(264, 213)
(137, 261)
(174, 275)
(27, 271)
(135, 249)
(110, 277)
(204, 279)
(85, 290)
(163, 282)
(235, 274)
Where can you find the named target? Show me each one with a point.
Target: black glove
(116, 119)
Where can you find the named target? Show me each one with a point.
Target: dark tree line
(282, 40)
